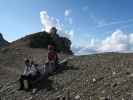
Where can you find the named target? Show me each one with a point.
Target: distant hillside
(3, 42)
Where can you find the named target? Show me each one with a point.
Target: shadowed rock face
(43, 39)
(3, 42)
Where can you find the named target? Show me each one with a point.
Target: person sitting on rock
(30, 74)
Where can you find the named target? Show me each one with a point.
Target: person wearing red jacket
(52, 55)
(52, 58)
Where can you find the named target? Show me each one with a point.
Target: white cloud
(118, 41)
(83, 50)
(104, 24)
(71, 33)
(131, 38)
(101, 23)
(68, 18)
(87, 47)
(67, 12)
(49, 21)
(68, 21)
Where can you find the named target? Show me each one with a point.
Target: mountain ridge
(3, 42)
(42, 39)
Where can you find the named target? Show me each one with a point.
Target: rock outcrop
(3, 42)
(43, 39)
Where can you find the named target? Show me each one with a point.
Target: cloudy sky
(92, 25)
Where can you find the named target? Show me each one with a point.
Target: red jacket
(52, 56)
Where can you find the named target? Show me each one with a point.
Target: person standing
(52, 59)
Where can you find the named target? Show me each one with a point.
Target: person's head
(51, 47)
(27, 62)
(53, 30)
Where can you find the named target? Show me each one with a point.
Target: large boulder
(43, 39)
(63, 44)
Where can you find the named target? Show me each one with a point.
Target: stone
(94, 80)
(114, 73)
(77, 97)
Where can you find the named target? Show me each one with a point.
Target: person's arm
(33, 70)
(48, 56)
(25, 70)
(55, 56)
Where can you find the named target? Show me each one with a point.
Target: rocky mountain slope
(12, 59)
(107, 76)
(3, 42)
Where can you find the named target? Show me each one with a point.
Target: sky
(93, 26)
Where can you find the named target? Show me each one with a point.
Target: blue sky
(90, 21)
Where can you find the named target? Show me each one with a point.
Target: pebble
(101, 98)
(94, 80)
(77, 97)
(58, 97)
(114, 73)
(30, 98)
(87, 80)
(1, 86)
(127, 73)
(122, 99)
(114, 85)
(105, 98)
(103, 91)
(34, 91)
(131, 75)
